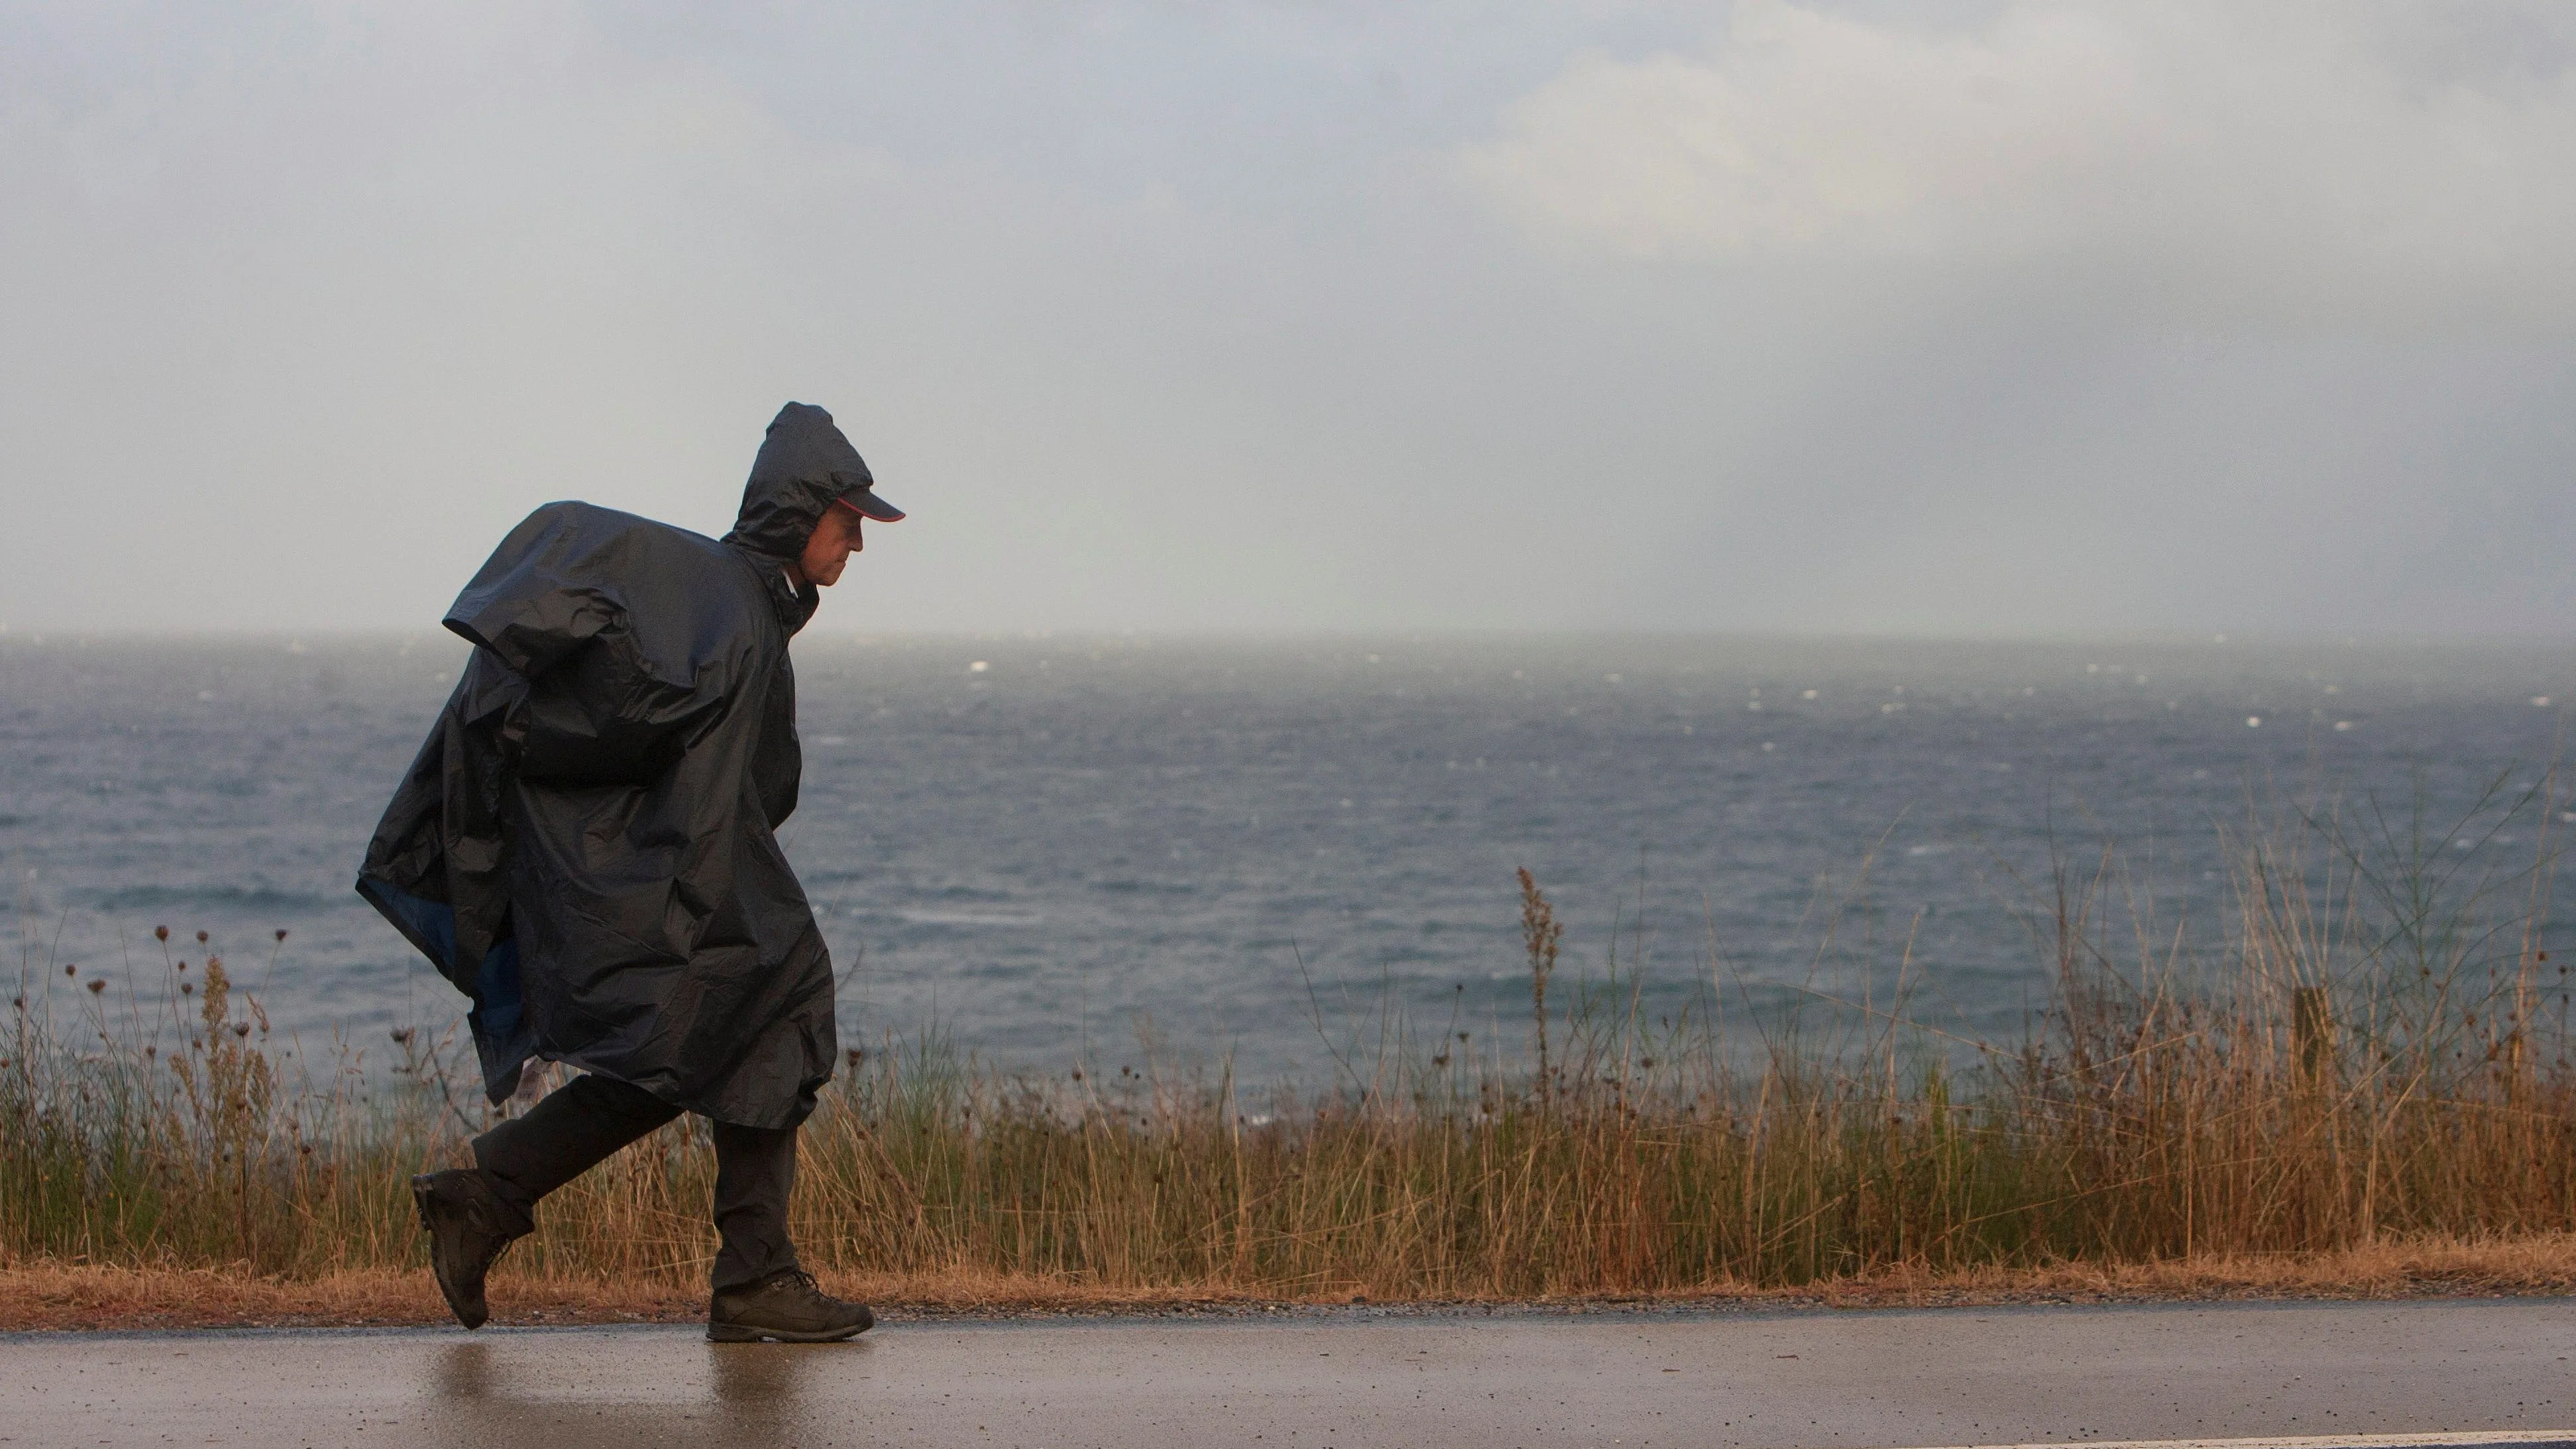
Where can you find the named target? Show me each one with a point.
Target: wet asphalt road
(1338, 1381)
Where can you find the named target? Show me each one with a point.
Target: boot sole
(465, 1312)
(739, 1333)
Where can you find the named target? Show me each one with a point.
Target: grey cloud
(1191, 316)
(2310, 160)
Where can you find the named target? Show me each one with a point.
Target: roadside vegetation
(2368, 1056)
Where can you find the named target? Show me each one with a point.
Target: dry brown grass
(2363, 1085)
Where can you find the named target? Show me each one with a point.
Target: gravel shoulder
(78, 1298)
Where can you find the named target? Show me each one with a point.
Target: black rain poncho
(585, 845)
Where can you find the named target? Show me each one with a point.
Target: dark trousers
(581, 1123)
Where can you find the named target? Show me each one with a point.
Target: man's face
(828, 551)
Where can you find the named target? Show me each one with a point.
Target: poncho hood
(804, 465)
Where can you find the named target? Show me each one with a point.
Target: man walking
(585, 847)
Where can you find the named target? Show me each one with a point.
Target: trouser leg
(576, 1127)
(755, 1174)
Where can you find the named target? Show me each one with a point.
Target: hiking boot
(785, 1306)
(468, 1227)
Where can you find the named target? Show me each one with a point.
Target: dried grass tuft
(2362, 1086)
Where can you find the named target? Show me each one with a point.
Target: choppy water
(1041, 842)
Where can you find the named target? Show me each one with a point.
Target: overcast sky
(1970, 318)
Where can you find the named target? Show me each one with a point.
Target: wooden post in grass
(2312, 1034)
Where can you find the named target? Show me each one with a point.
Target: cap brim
(871, 507)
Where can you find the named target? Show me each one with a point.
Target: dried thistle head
(201, 938)
(97, 984)
(160, 933)
(281, 933)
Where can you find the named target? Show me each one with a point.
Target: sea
(1285, 857)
